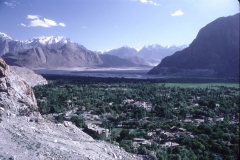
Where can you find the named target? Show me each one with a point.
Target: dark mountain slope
(115, 61)
(214, 52)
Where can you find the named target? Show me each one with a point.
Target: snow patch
(48, 40)
(5, 36)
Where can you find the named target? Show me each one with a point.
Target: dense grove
(203, 122)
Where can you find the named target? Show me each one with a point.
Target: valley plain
(162, 118)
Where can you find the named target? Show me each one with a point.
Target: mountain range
(70, 55)
(214, 52)
(149, 55)
(7, 44)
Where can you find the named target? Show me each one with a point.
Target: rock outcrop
(15, 94)
(29, 76)
(214, 52)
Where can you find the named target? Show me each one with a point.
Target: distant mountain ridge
(53, 42)
(70, 55)
(147, 55)
(214, 52)
(158, 52)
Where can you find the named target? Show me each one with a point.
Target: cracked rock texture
(15, 94)
(29, 76)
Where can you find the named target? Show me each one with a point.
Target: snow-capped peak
(138, 48)
(102, 51)
(135, 48)
(5, 36)
(153, 46)
(48, 40)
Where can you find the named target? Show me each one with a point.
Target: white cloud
(24, 25)
(38, 22)
(35, 21)
(62, 24)
(177, 13)
(9, 4)
(149, 2)
(50, 22)
(33, 17)
(84, 27)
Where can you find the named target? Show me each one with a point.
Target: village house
(98, 129)
(137, 142)
(170, 144)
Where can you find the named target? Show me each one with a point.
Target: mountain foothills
(34, 137)
(214, 52)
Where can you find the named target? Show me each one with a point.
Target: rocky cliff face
(214, 52)
(29, 76)
(15, 94)
(68, 56)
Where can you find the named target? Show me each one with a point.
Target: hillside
(69, 55)
(214, 52)
(115, 61)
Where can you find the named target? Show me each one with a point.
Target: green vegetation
(155, 117)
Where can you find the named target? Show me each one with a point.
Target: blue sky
(108, 24)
